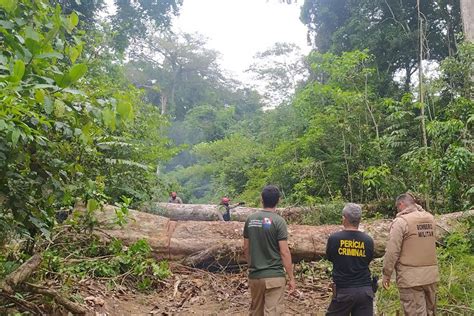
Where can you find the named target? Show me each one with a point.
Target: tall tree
(467, 11)
(278, 71)
(388, 28)
(183, 69)
(132, 20)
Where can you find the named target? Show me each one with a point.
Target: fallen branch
(71, 306)
(21, 274)
(22, 304)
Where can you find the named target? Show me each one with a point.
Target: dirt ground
(198, 292)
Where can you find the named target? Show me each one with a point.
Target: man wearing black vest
(350, 252)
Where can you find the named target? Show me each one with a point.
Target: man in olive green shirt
(267, 252)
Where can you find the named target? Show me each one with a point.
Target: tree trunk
(467, 14)
(218, 244)
(208, 212)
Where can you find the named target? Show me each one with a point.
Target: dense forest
(116, 107)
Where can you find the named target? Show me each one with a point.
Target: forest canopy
(81, 122)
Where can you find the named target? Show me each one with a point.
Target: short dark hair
(270, 196)
(406, 198)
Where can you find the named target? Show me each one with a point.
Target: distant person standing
(267, 252)
(351, 252)
(411, 252)
(225, 208)
(174, 198)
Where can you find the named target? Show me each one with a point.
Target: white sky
(240, 28)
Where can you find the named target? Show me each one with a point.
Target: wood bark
(208, 212)
(467, 14)
(21, 274)
(210, 243)
(73, 307)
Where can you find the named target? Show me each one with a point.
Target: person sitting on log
(350, 252)
(175, 199)
(225, 208)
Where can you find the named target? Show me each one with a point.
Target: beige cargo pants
(419, 300)
(267, 296)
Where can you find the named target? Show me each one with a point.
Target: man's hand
(292, 285)
(386, 282)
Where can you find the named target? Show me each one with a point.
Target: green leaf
(33, 46)
(74, 74)
(8, 5)
(39, 96)
(73, 19)
(48, 105)
(18, 71)
(77, 71)
(32, 34)
(109, 118)
(15, 136)
(73, 54)
(62, 80)
(92, 205)
(124, 109)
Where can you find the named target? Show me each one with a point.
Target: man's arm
(287, 263)
(329, 248)
(247, 250)
(236, 205)
(393, 249)
(246, 242)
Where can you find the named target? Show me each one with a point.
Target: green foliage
(113, 262)
(324, 214)
(339, 140)
(67, 121)
(388, 28)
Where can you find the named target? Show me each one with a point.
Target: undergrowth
(322, 214)
(74, 254)
(112, 262)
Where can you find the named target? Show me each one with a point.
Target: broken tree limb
(74, 308)
(209, 243)
(19, 277)
(22, 304)
(208, 212)
(21, 274)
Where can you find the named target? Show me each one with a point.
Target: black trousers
(357, 301)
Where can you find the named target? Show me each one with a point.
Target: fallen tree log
(208, 212)
(220, 243)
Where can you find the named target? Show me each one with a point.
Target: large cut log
(208, 212)
(208, 243)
